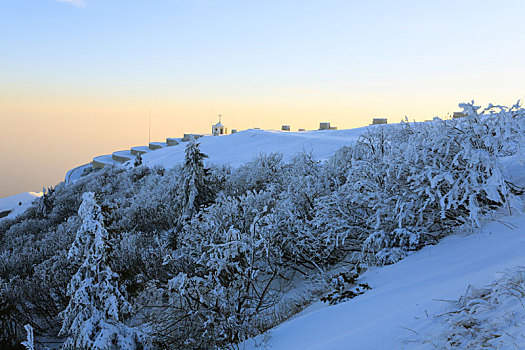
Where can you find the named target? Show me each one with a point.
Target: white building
(218, 129)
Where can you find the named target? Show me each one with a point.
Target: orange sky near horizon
(48, 135)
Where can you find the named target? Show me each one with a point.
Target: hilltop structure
(326, 126)
(379, 121)
(219, 129)
(123, 156)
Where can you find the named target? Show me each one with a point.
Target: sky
(80, 78)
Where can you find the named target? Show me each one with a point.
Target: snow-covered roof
(123, 153)
(162, 144)
(218, 125)
(106, 159)
(141, 148)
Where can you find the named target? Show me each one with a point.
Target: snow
(485, 317)
(404, 293)
(401, 309)
(124, 153)
(515, 166)
(75, 173)
(106, 159)
(241, 147)
(142, 149)
(161, 144)
(12, 203)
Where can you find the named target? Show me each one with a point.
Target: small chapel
(218, 129)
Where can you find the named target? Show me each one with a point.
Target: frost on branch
(381, 248)
(429, 178)
(488, 317)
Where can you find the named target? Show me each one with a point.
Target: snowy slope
(18, 203)
(402, 294)
(242, 147)
(399, 312)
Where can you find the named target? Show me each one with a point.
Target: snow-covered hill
(242, 147)
(17, 204)
(400, 311)
(235, 149)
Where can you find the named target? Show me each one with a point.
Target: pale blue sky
(255, 45)
(87, 73)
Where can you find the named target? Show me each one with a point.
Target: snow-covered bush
(138, 160)
(392, 247)
(428, 178)
(44, 204)
(302, 241)
(232, 274)
(152, 207)
(256, 175)
(343, 287)
(488, 317)
(337, 166)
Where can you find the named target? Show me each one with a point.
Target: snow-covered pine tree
(45, 203)
(8, 324)
(138, 160)
(94, 317)
(194, 187)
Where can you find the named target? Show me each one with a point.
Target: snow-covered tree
(8, 324)
(232, 278)
(194, 188)
(138, 160)
(45, 202)
(94, 317)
